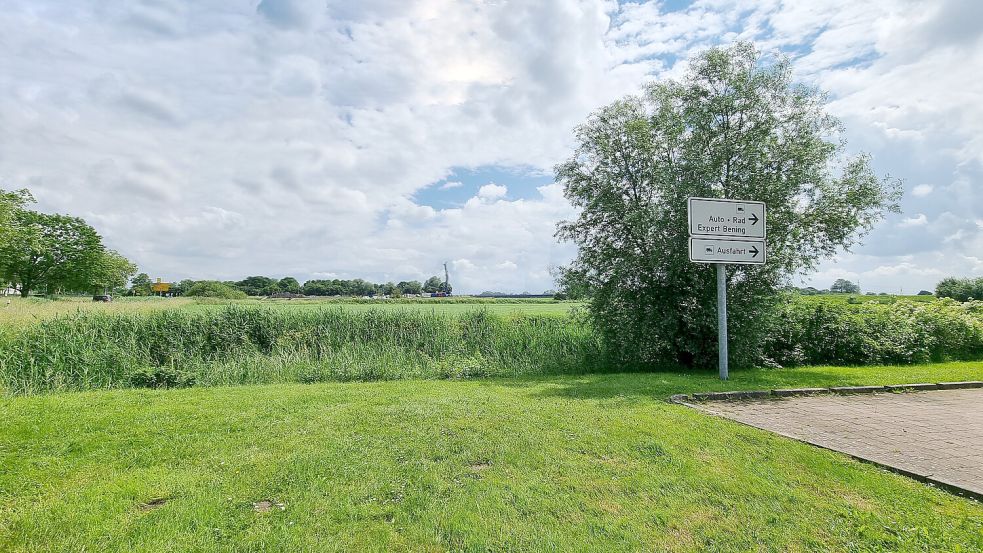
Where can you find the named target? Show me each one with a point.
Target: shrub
(960, 289)
(215, 289)
(161, 377)
(812, 333)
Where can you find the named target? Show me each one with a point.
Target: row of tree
(267, 286)
(51, 253)
(840, 286)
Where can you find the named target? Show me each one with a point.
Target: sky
(215, 139)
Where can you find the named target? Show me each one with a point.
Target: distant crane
(447, 281)
(444, 289)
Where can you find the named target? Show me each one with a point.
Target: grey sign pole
(722, 319)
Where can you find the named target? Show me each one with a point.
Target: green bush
(814, 333)
(215, 289)
(161, 377)
(960, 289)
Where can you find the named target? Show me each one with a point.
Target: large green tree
(410, 287)
(50, 253)
(844, 286)
(289, 284)
(433, 284)
(141, 285)
(214, 289)
(736, 126)
(10, 204)
(112, 272)
(258, 285)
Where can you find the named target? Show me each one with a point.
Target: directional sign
(726, 250)
(725, 232)
(734, 218)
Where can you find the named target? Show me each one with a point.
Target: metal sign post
(726, 232)
(722, 320)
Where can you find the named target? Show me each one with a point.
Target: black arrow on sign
(754, 251)
(754, 219)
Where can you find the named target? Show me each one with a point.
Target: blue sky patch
(463, 183)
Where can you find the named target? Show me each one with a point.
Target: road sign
(161, 286)
(725, 232)
(726, 250)
(733, 218)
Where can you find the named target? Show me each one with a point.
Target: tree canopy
(736, 126)
(960, 289)
(214, 289)
(54, 253)
(843, 286)
(112, 271)
(141, 285)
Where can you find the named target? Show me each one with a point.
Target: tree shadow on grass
(649, 386)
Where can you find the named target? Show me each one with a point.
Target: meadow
(26, 311)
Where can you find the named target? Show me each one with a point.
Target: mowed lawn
(587, 463)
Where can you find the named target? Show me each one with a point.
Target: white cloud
(922, 190)
(291, 135)
(918, 221)
(491, 192)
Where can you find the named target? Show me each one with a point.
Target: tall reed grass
(238, 345)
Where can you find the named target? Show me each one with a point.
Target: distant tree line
(52, 253)
(840, 286)
(959, 289)
(267, 286)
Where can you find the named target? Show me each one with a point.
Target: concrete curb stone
(960, 385)
(790, 392)
(856, 389)
(911, 387)
(842, 390)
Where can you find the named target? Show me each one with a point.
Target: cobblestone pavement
(933, 435)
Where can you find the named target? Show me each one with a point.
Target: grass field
(28, 311)
(587, 463)
(22, 312)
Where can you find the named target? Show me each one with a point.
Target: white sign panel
(734, 218)
(726, 250)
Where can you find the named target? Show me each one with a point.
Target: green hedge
(827, 333)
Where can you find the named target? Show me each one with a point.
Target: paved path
(933, 435)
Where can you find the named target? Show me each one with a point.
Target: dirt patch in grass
(154, 503)
(267, 505)
(479, 466)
